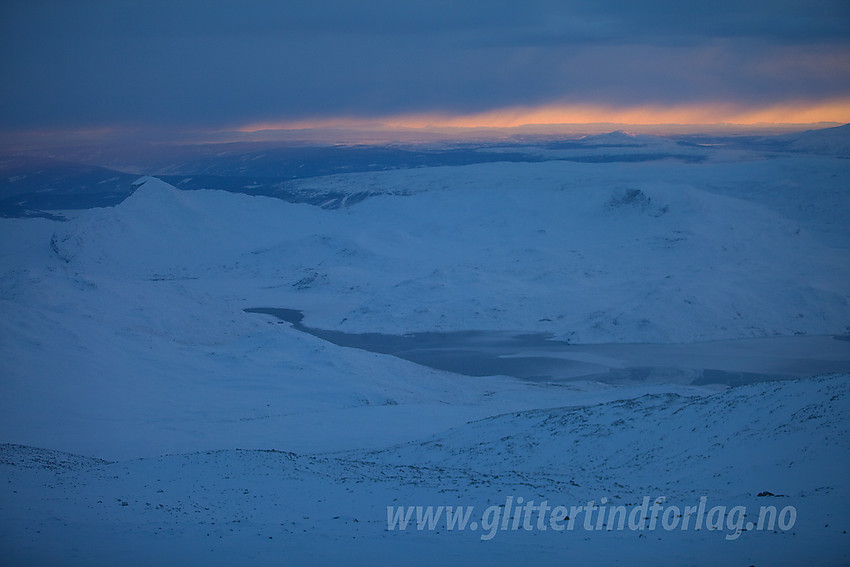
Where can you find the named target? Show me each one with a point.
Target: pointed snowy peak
(144, 179)
(154, 198)
(148, 185)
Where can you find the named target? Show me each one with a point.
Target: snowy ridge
(796, 434)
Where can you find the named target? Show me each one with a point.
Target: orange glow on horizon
(697, 114)
(546, 119)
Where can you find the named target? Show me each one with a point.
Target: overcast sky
(175, 64)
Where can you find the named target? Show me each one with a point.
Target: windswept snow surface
(149, 419)
(281, 508)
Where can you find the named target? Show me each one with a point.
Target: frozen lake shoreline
(535, 356)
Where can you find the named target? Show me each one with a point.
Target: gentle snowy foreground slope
(280, 508)
(147, 418)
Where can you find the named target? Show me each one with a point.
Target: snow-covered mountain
(495, 246)
(148, 418)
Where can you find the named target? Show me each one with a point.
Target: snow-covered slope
(832, 141)
(779, 445)
(797, 434)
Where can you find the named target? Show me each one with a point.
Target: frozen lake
(535, 356)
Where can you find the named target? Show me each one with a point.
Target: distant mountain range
(45, 185)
